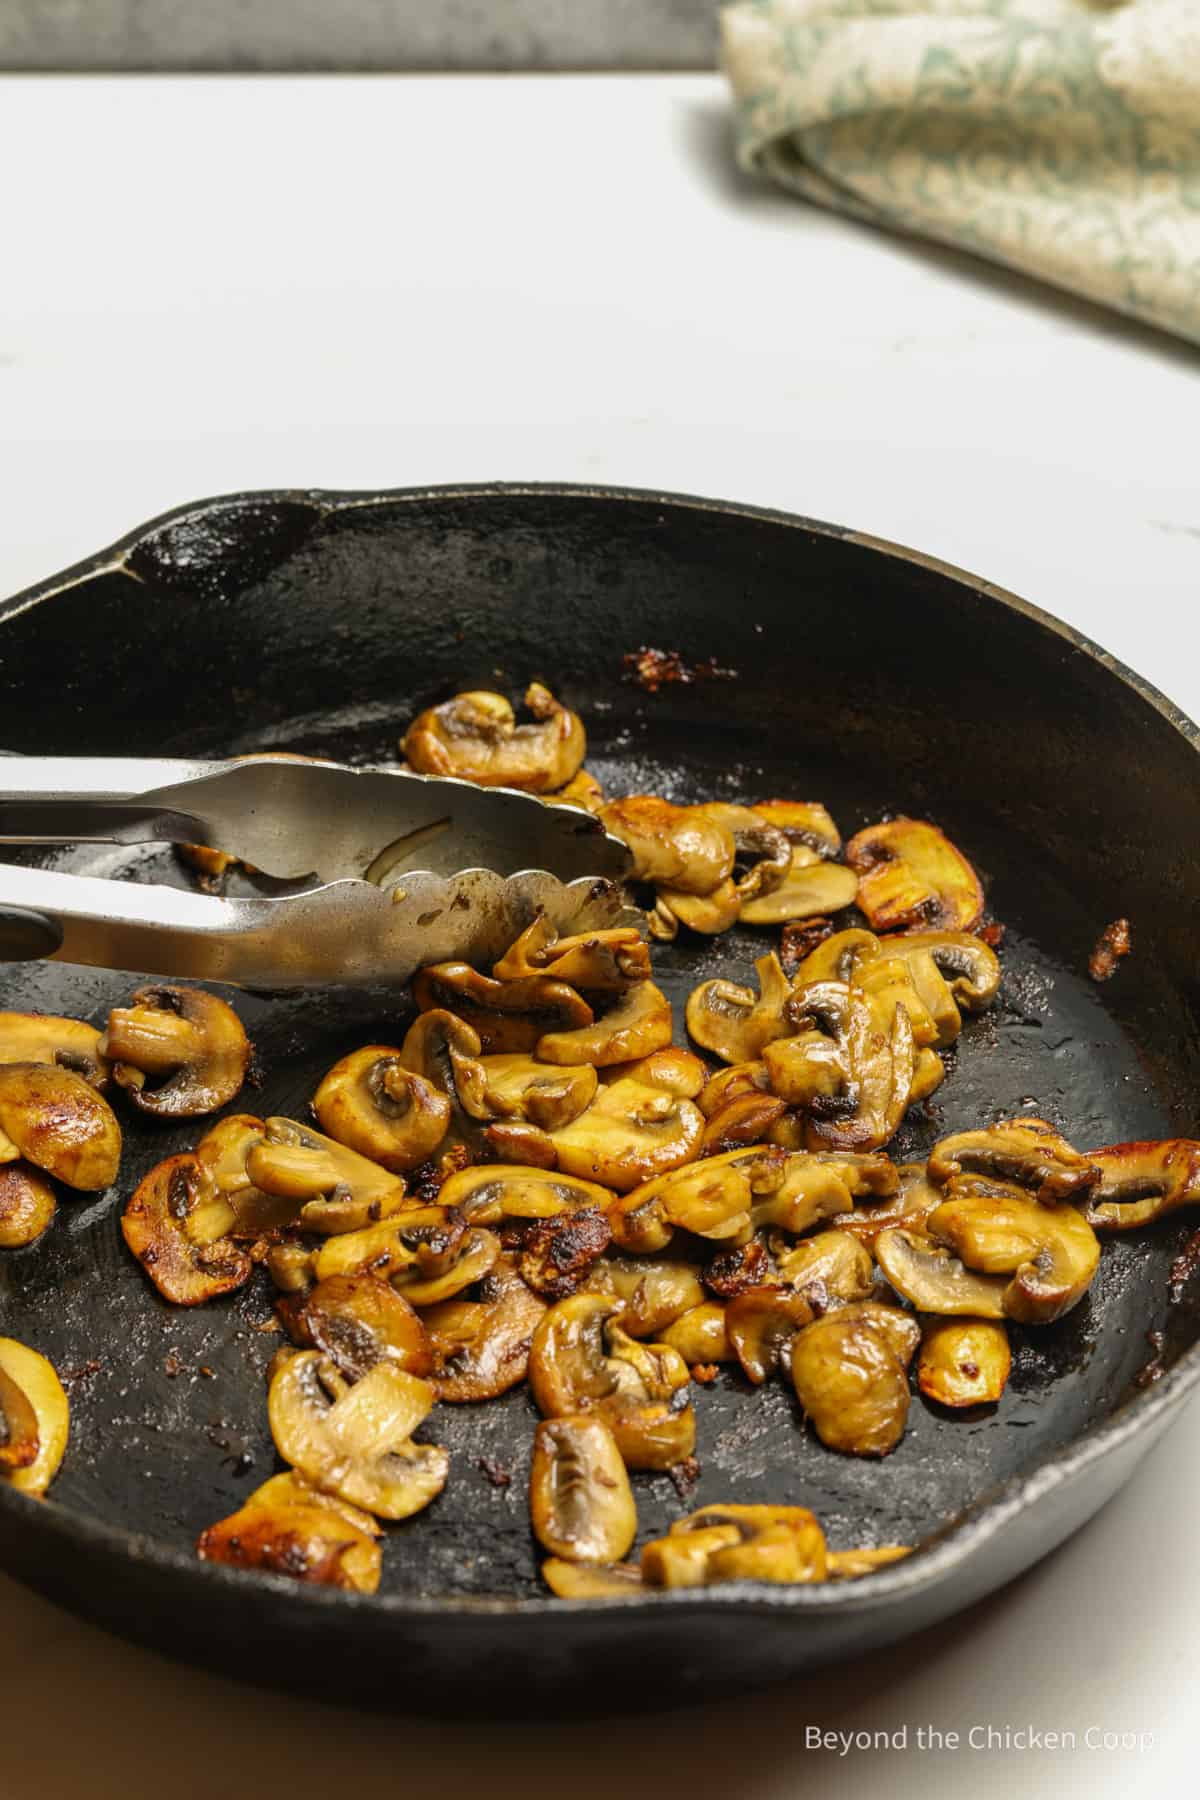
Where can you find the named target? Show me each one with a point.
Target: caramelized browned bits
(177, 1052)
(1142, 1182)
(476, 737)
(911, 875)
(558, 1253)
(177, 1224)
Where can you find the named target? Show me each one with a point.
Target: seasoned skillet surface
(871, 684)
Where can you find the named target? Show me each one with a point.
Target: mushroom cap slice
(336, 1189)
(855, 1064)
(476, 737)
(44, 1392)
(1142, 1182)
(782, 1544)
(494, 1192)
(580, 1361)
(964, 1362)
(911, 875)
(700, 1335)
(591, 1581)
(851, 1565)
(508, 1016)
(731, 1084)
(557, 1254)
(371, 1102)
(833, 1261)
(839, 957)
(190, 1037)
(851, 1384)
(898, 1328)
(47, 1038)
(1051, 1252)
(606, 961)
(908, 1206)
(761, 1324)
(19, 1441)
(678, 1561)
(935, 1281)
(580, 1500)
(425, 1253)
(629, 1134)
(673, 1070)
(288, 1527)
(734, 1021)
(481, 1347)
(569, 1370)
(809, 889)
(639, 1024)
(808, 1187)
(583, 790)
(746, 1119)
(1029, 1152)
(803, 822)
(355, 1441)
(27, 1205)
(655, 1291)
(680, 846)
(961, 962)
(358, 1321)
(709, 914)
(56, 1120)
(177, 1224)
(547, 1096)
(763, 850)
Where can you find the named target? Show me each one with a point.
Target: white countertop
(220, 285)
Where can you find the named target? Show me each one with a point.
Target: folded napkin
(1059, 136)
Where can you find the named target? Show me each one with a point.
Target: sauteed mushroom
(476, 737)
(580, 1361)
(629, 1134)
(833, 1262)
(355, 1441)
(910, 874)
(804, 822)
(762, 1323)
(636, 1026)
(190, 1038)
(481, 1347)
(46, 1038)
(736, 1022)
(700, 1335)
(223, 1151)
(935, 1281)
(1142, 1182)
(950, 970)
(964, 1362)
(583, 790)
(177, 1224)
(851, 1565)
(781, 1544)
(336, 1189)
(908, 1206)
(655, 1290)
(54, 1119)
(761, 848)
(372, 1103)
(809, 888)
(508, 1016)
(519, 1088)
(682, 847)
(1029, 1152)
(591, 1581)
(425, 1253)
(604, 961)
(358, 1321)
(733, 1083)
(746, 1119)
(30, 1372)
(673, 1070)
(580, 1499)
(27, 1205)
(288, 1527)
(709, 914)
(495, 1192)
(19, 1441)
(557, 1254)
(851, 1382)
(1050, 1251)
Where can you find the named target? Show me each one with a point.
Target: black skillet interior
(871, 681)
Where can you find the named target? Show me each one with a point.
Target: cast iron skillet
(866, 676)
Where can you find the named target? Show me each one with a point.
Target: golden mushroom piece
(177, 1052)
(852, 1565)
(931, 1278)
(606, 961)
(736, 1022)
(810, 888)
(56, 1120)
(911, 875)
(507, 1016)
(355, 1441)
(638, 1025)
(481, 1347)
(580, 1361)
(804, 822)
(583, 790)
(372, 1103)
(629, 1134)
(358, 1321)
(782, 1544)
(476, 737)
(580, 1500)
(683, 847)
(762, 851)
(428, 1254)
(1029, 1152)
(709, 914)
(964, 1362)
(493, 1193)
(908, 1207)
(1051, 1252)
(288, 1527)
(46, 1038)
(334, 1188)
(851, 1378)
(1142, 1182)
(27, 1205)
(508, 1089)
(591, 1581)
(700, 1335)
(833, 1262)
(761, 1324)
(178, 1225)
(19, 1438)
(655, 1290)
(27, 1373)
(558, 1254)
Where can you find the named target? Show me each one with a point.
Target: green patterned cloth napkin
(1059, 136)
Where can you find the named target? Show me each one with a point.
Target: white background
(208, 286)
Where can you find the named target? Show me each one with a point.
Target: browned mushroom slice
(709, 914)
(898, 1328)
(682, 1561)
(803, 822)
(679, 846)
(54, 1119)
(655, 1290)
(495, 1192)
(223, 1151)
(733, 1083)
(935, 1281)
(590, 1581)
(287, 1527)
(950, 970)
(517, 1088)
(833, 1262)
(605, 961)
(745, 1265)
(358, 1321)
(763, 852)
(964, 1362)
(291, 1266)
(782, 1544)
(557, 1254)
(19, 1440)
(212, 866)
(746, 1119)
(1143, 1182)
(733, 1020)
(629, 1134)
(580, 1500)
(177, 1224)
(481, 1347)
(336, 1189)
(1050, 1251)
(35, 1378)
(673, 1070)
(700, 1335)
(425, 1254)
(581, 1361)
(372, 1103)
(850, 1382)
(1029, 1152)
(46, 1038)
(476, 737)
(508, 1016)
(27, 1205)
(638, 1025)
(177, 1052)
(808, 1187)
(355, 1441)
(851, 1565)
(583, 790)
(910, 874)
(810, 888)
(909, 1206)
(761, 1324)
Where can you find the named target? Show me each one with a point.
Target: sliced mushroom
(580, 1499)
(638, 1025)
(1143, 1182)
(46, 1038)
(557, 1254)
(371, 1102)
(360, 1320)
(38, 1383)
(832, 1261)
(655, 1291)
(356, 1441)
(516, 1088)
(911, 875)
(337, 1190)
(682, 1561)
(810, 888)
(908, 1206)
(950, 970)
(223, 1151)
(709, 914)
(581, 1361)
(730, 1272)
(508, 1016)
(291, 1266)
(27, 1205)
(803, 822)
(177, 1224)
(732, 1083)
(481, 1347)
(734, 1021)
(476, 737)
(583, 790)
(964, 1362)
(1029, 1152)
(603, 961)
(782, 1544)
(746, 1119)
(762, 1323)
(54, 1119)
(763, 850)
(425, 1253)
(287, 1527)
(586, 1581)
(673, 1070)
(1051, 1252)
(680, 846)
(850, 1382)
(851, 1565)
(813, 1186)
(934, 1280)
(177, 1052)
(19, 1440)
(898, 1328)
(629, 1134)
(495, 1192)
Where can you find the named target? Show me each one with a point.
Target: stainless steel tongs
(370, 873)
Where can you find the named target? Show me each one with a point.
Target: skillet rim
(956, 1542)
